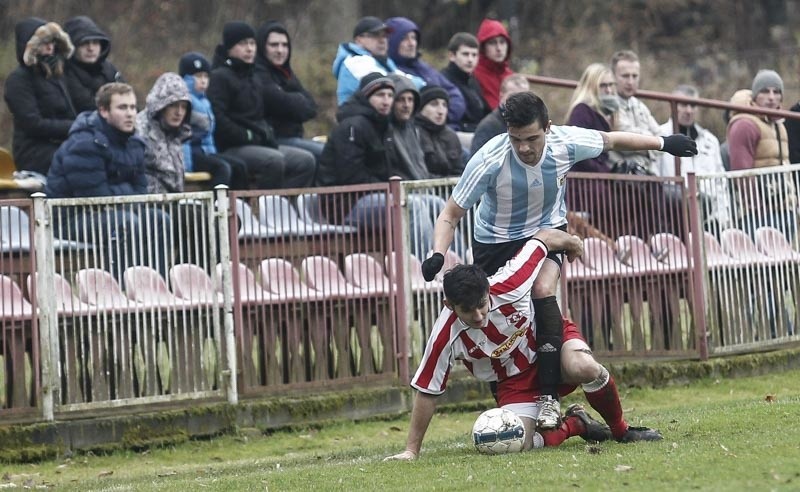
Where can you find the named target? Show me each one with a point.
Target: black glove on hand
(431, 266)
(679, 145)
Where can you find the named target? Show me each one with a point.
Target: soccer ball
(498, 431)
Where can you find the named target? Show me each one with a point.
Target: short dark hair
(626, 55)
(465, 286)
(460, 39)
(103, 97)
(524, 108)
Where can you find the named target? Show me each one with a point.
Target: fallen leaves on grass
(622, 468)
(105, 473)
(770, 398)
(167, 473)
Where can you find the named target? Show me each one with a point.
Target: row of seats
(278, 217)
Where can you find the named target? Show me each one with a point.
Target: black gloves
(679, 145)
(431, 266)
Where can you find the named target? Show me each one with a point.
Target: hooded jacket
(401, 26)
(203, 124)
(353, 62)
(97, 160)
(287, 104)
(236, 96)
(164, 153)
(40, 105)
(405, 154)
(84, 79)
(442, 148)
(490, 74)
(356, 151)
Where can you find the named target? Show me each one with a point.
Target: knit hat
(193, 62)
(765, 79)
(373, 82)
(235, 31)
(370, 24)
(431, 92)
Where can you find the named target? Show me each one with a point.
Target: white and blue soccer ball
(498, 431)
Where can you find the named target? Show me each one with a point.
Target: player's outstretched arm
(679, 145)
(557, 240)
(421, 415)
(443, 232)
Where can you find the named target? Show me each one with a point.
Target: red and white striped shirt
(505, 347)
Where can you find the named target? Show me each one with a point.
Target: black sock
(549, 336)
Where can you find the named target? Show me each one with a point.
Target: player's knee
(579, 366)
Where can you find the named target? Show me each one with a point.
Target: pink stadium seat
(66, 302)
(599, 256)
(773, 243)
(738, 245)
(323, 274)
(641, 257)
(13, 305)
(418, 283)
(715, 256)
(364, 271)
(192, 283)
(280, 278)
(677, 254)
(99, 288)
(249, 290)
(145, 285)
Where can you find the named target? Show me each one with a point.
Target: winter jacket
(97, 160)
(490, 126)
(585, 117)
(84, 79)
(235, 95)
(356, 151)
(287, 104)
(406, 157)
(476, 108)
(490, 74)
(202, 122)
(401, 26)
(164, 153)
(40, 105)
(353, 62)
(442, 148)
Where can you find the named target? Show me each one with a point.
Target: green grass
(719, 435)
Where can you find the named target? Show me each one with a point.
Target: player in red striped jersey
(487, 323)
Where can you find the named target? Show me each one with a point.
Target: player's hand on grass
(404, 456)
(679, 145)
(432, 266)
(574, 249)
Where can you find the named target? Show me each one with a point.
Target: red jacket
(490, 74)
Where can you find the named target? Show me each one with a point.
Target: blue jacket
(97, 160)
(203, 125)
(353, 62)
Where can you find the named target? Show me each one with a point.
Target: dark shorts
(490, 257)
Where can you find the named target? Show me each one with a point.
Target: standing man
(486, 323)
(520, 180)
(462, 51)
(633, 116)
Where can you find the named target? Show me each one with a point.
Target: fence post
(46, 303)
(400, 266)
(229, 374)
(698, 275)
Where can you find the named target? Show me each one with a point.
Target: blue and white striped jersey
(517, 199)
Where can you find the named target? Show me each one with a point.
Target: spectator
(36, 94)
(200, 152)
(164, 126)
(88, 69)
(242, 132)
(462, 51)
(493, 66)
(287, 104)
(404, 42)
(406, 155)
(633, 116)
(492, 124)
(741, 97)
(104, 157)
(443, 153)
(367, 53)
(714, 193)
(793, 135)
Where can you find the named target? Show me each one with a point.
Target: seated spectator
(242, 132)
(714, 194)
(36, 94)
(462, 51)
(104, 157)
(287, 104)
(164, 126)
(200, 152)
(493, 124)
(88, 69)
(367, 53)
(493, 66)
(443, 153)
(404, 42)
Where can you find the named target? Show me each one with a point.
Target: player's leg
(548, 340)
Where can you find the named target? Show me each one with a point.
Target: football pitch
(731, 434)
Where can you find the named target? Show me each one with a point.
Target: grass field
(737, 434)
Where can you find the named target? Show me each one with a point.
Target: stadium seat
(738, 245)
(310, 211)
(640, 256)
(365, 272)
(66, 302)
(715, 255)
(191, 283)
(250, 292)
(145, 285)
(280, 217)
(323, 274)
(599, 256)
(418, 283)
(280, 278)
(677, 255)
(771, 242)
(98, 287)
(249, 226)
(13, 305)
(14, 229)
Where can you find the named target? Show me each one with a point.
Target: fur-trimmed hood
(32, 32)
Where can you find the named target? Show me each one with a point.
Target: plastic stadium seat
(677, 253)
(323, 274)
(280, 278)
(191, 283)
(364, 271)
(738, 245)
(13, 305)
(640, 256)
(309, 210)
(14, 229)
(280, 217)
(715, 255)
(99, 288)
(418, 283)
(250, 291)
(66, 302)
(145, 285)
(249, 226)
(773, 243)
(599, 256)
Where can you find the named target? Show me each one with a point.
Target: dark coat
(235, 95)
(476, 107)
(585, 117)
(490, 126)
(793, 132)
(287, 104)
(442, 148)
(356, 151)
(97, 160)
(40, 105)
(84, 79)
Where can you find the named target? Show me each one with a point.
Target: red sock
(606, 402)
(570, 426)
